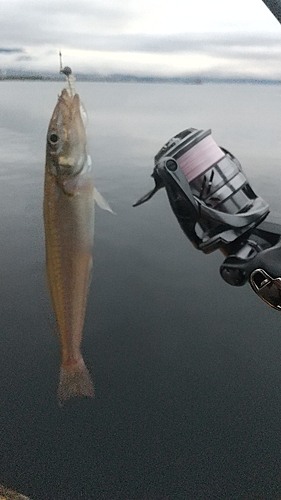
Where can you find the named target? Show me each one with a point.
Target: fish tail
(75, 380)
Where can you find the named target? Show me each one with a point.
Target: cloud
(156, 54)
(101, 24)
(110, 36)
(7, 50)
(60, 22)
(183, 43)
(24, 58)
(208, 43)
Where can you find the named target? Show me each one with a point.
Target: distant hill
(10, 74)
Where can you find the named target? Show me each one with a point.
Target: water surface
(187, 369)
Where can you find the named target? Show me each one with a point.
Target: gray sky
(144, 37)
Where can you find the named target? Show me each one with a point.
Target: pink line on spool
(200, 158)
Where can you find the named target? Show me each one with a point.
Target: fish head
(66, 138)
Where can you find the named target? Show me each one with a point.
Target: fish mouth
(72, 102)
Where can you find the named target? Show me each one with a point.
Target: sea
(187, 368)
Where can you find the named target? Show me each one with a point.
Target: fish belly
(69, 223)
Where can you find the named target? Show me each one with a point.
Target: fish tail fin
(75, 380)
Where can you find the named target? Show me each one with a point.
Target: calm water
(187, 369)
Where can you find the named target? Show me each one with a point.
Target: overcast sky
(144, 37)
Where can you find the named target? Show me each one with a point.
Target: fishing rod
(275, 7)
(67, 71)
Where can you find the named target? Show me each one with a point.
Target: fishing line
(69, 77)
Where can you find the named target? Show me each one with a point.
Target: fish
(68, 212)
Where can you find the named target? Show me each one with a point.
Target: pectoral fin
(101, 202)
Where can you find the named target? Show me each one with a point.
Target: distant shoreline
(139, 79)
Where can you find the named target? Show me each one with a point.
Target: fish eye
(53, 138)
